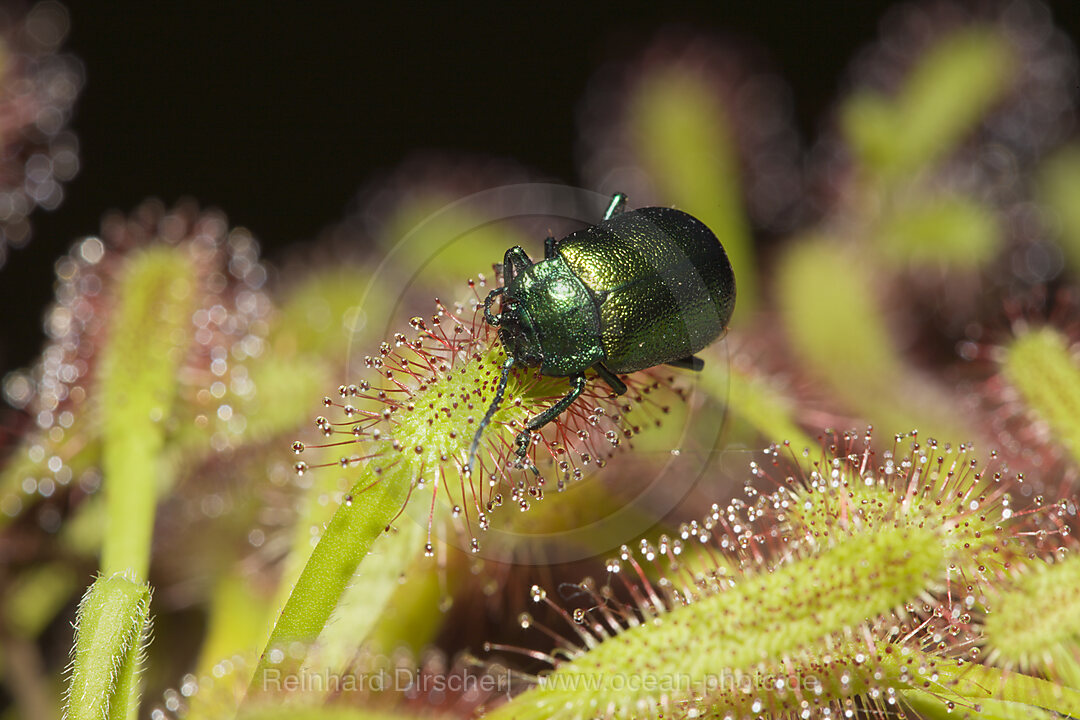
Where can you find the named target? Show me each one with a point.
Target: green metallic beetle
(645, 287)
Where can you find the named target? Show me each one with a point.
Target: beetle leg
(616, 206)
(617, 386)
(525, 436)
(515, 260)
(549, 247)
(691, 362)
(492, 319)
(492, 409)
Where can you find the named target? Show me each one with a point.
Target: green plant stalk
(1047, 376)
(344, 544)
(148, 339)
(111, 632)
(365, 600)
(790, 613)
(425, 441)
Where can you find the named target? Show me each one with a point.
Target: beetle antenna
(492, 408)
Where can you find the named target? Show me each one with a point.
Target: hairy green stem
(111, 631)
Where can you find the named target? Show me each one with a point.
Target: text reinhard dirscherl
(413, 682)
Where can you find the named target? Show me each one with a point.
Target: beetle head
(518, 334)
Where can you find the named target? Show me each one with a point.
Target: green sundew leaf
(680, 132)
(441, 243)
(148, 339)
(932, 707)
(836, 328)
(735, 631)
(348, 538)
(978, 683)
(36, 596)
(1044, 371)
(1035, 623)
(111, 631)
(943, 99)
(950, 232)
(1059, 190)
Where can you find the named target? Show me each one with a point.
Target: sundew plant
(237, 490)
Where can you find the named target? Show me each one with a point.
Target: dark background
(278, 112)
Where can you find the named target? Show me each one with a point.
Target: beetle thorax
(551, 319)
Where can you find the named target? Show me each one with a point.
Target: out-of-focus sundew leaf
(36, 596)
(832, 317)
(147, 343)
(111, 632)
(437, 242)
(943, 99)
(686, 146)
(416, 610)
(329, 312)
(1059, 192)
(757, 402)
(950, 232)
(836, 327)
(76, 454)
(238, 623)
(1041, 367)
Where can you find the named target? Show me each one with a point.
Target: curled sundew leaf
(832, 592)
(835, 325)
(1034, 623)
(111, 631)
(405, 433)
(1044, 371)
